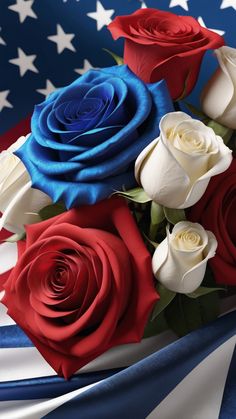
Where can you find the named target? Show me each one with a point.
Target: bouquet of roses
(120, 203)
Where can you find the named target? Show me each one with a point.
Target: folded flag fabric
(194, 376)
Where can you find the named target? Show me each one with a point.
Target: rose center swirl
(188, 239)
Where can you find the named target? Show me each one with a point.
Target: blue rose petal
(86, 136)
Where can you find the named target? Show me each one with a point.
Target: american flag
(46, 44)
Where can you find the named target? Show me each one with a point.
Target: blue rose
(86, 136)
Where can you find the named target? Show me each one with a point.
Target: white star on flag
(86, 66)
(102, 16)
(4, 103)
(228, 3)
(24, 9)
(63, 40)
(2, 42)
(202, 23)
(143, 5)
(24, 62)
(180, 3)
(49, 88)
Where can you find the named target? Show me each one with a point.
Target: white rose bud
(18, 200)
(175, 169)
(179, 262)
(219, 95)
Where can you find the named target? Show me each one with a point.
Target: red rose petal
(117, 290)
(215, 211)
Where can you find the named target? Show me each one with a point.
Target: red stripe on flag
(10, 136)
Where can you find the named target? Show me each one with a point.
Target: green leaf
(185, 314)
(166, 296)
(195, 111)
(232, 143)
(155, 327)
(183, 94)
(157, 216)
(174, 215)
(136, 195)
(203, 291)
(52, 210)
(209, 280)
(221, 130)
(154, 244)
(15, 238)
(118, 60)
(157, 213)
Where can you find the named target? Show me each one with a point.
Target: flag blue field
(45, 44)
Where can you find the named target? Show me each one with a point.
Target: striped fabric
(193, 377)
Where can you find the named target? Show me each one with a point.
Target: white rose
(219, 95)
(179, 262)
(18, 200)
(175, 169)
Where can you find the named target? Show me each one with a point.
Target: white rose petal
(219, 95)
(179, 262)
(175, 169)
(19, 202)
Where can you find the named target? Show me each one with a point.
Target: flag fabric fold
(155, 386)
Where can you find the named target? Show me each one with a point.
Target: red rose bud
(83, 283)
(216, 212)
(161, 45)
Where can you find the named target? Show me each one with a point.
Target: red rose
(161, 45)
(216, 212)
(82, 284)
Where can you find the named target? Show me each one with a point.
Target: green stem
(157, 216)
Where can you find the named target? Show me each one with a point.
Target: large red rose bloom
(216, 212)
(161, 45)
(83, 283)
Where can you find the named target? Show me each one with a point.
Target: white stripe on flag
(36, 409)
(24, 363)
(8, 256)
(5, 320)
(199, 394)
